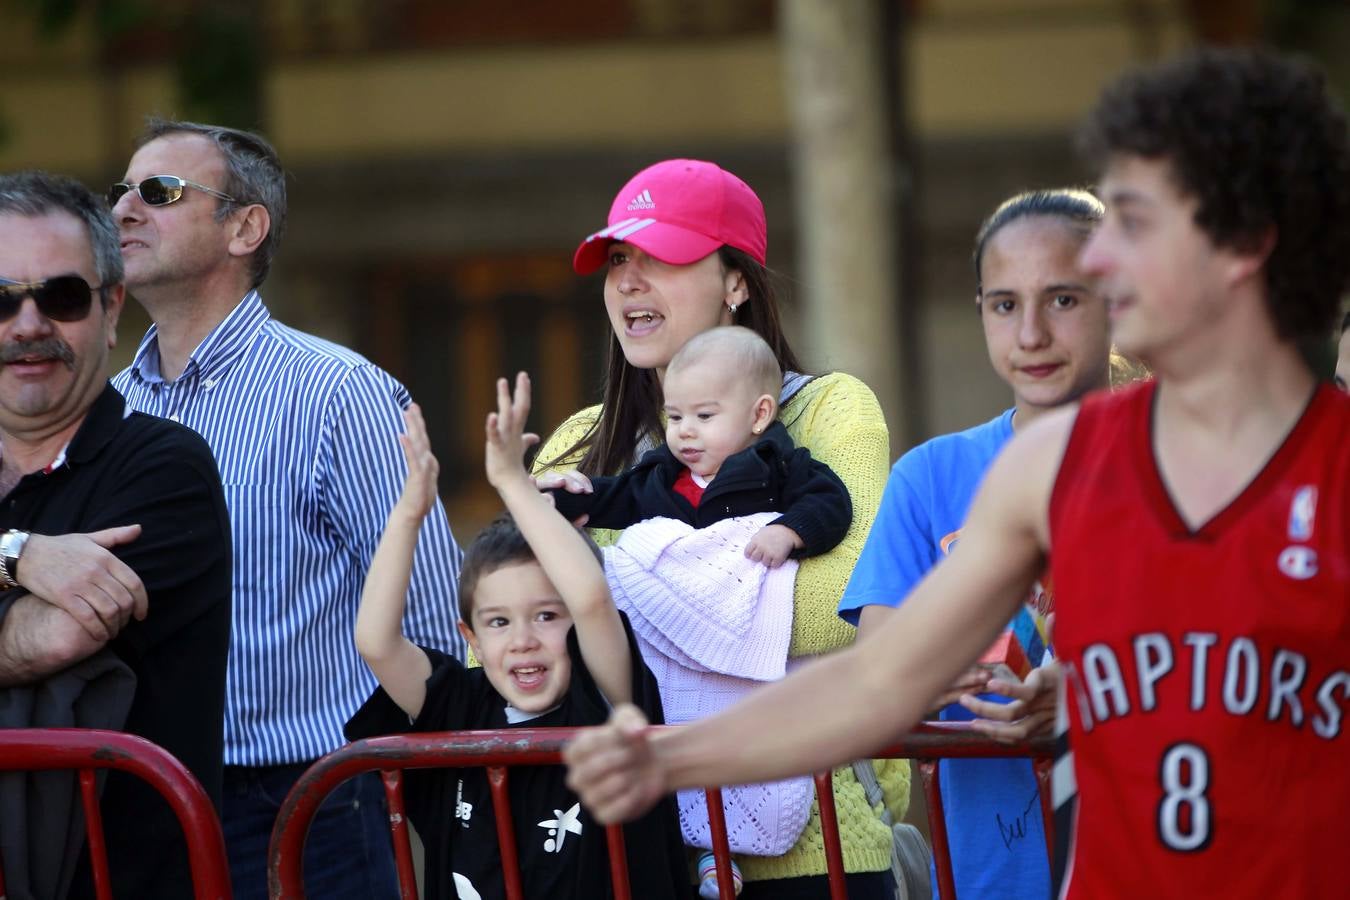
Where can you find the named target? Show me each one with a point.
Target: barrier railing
(499, 750)
(88, 750)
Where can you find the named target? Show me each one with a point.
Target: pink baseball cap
(679, 211)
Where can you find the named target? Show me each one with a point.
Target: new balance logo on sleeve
(641, 201)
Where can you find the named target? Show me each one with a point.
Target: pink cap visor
(679, 211)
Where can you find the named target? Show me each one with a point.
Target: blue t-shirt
(992, 806)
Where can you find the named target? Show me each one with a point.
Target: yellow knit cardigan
(838, 419)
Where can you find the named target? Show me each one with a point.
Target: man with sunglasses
(80, 475)
(305, 434)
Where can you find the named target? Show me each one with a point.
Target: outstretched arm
(861, 698)
(401, 667)
(562, 552)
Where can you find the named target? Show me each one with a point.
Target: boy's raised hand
(419, 487)
(507, 439)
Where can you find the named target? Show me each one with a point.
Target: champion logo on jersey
(642, 201)
(1298, 562)
(1302, 512)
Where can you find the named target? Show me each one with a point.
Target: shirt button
(175, 418)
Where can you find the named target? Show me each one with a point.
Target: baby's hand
(573, 482)
(419, 487)
(507, 439)
(772, 544)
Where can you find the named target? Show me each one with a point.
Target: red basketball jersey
(1208, 672)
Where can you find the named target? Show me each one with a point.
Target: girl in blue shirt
(1048, 338)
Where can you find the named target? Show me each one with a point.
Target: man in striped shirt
(304, 432)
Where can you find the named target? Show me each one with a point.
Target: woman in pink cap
(684, 251)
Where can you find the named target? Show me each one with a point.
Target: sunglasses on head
(65, 298)
(160, 190)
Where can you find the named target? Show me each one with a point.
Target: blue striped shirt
(304, 432)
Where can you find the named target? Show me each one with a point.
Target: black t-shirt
(562, 849)
(136, 469)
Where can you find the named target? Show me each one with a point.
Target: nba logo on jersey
(1297, 561)
(1302, 511)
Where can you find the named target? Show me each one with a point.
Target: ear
(248, 228)
(979, 303)
(1247, 262)
(470, 638)
(115, 297)
(766, 408)
(734, 289)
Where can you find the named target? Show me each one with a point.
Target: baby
(725, 455)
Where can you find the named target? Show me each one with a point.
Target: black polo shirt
(125, 468)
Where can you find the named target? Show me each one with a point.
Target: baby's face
(710, 414)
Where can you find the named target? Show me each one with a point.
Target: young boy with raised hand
(555, 651)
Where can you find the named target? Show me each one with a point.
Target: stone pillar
(842, 99)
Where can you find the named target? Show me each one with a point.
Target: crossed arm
(79, 598)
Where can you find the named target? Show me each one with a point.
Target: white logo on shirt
(463, 810)
(560, 825)
(464, 888)
(1299, 562)
(1302, 511)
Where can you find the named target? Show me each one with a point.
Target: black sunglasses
(160, 190)
(65, 298)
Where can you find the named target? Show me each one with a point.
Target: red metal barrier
(85, 750)
(499, 750)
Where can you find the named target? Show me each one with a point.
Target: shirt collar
(98, 428)
(217, 351)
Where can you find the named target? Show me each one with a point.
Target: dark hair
(253, 174)
(1345, 322)
(34, 194)
(631, 408)
(1075, 207)
(497, 546)
(1258, 142)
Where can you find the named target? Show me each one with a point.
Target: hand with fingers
(614, 768)
(419, 487)
(78, 574)
(772, 545)
(1031, 712)
(507, 439)
(972, 681)
(573, 482)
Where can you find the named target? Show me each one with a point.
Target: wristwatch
(12, 543)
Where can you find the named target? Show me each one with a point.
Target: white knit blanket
(712, 625)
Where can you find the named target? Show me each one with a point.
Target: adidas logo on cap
(641, 201)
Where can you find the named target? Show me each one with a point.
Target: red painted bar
(392, 779)
(829, 833)
(937, 828)
(717, 822)
(618, 863)
(498, 750)
(1044, 766)
(93, 829)
(47, 749)
(506, 834)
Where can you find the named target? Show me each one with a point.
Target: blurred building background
(448, 155)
